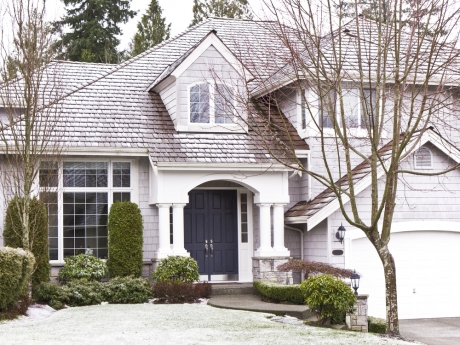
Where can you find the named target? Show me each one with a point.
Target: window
(244, 218)
(355, 108)
(423, 158)
(211, 103)
(79, 210)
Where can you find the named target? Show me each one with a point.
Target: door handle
(206, 247)
(212, 248)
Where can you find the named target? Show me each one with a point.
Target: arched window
(423, 158)
(211, 103)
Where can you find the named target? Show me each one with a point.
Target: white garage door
(427, 269)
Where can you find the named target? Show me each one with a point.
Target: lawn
(170, 324)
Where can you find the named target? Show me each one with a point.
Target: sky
(177, 12)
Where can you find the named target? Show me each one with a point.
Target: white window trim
(133, 189)
(312, 131)
(423, 167)
(235, 127)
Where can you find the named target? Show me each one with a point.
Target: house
(157, 130)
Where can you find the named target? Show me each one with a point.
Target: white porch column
(164, 247)
(265, 248)
(178, 230)
(278, 231)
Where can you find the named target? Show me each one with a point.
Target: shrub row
(76, 293)
(278, 292)
(38, 234)
(16, 267)
(180, 292)
(376, 325)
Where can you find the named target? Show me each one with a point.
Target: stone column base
(358, 320)
(266, 268)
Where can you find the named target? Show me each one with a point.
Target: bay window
(79, 204)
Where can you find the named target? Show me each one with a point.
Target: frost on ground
(171, 324)
(35, 312)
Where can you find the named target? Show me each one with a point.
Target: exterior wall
(169, 97)
(211, 66)
(286, 98)
(149, 213)
(292, 242)
(315, 243)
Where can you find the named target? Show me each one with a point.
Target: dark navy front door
(210, 231)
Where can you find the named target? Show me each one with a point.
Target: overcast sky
(177, 12)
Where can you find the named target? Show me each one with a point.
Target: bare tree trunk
(391, 297)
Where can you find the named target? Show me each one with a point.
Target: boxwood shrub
(16, 266)
(329, 297)
(177, 268)
(278, 292)
(125, 240)
(125, 290)
(376, 325)
(12, 235)
(83, 267)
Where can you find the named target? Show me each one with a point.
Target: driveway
(443, 331)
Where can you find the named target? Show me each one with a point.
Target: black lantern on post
(355, 281)
(340, 234)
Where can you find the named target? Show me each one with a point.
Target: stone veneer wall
(266, 268)
(358, 320)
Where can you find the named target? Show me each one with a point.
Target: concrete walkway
(253, 303)
(443, 331)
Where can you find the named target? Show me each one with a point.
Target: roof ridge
(82, 62)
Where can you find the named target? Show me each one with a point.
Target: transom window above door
(211, 103)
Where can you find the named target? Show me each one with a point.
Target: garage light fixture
(355, 281)
(340, 235)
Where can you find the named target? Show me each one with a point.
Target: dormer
(200, 89)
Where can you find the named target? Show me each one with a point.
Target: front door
(211, 233)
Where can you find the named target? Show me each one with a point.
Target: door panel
(212, 216)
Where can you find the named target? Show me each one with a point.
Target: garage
(427, 268)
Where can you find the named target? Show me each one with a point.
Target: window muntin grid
(121, 174)
(52, 207)
(85, 174)
(244, 218)
(199, 103)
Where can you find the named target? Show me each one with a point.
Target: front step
(232, 289)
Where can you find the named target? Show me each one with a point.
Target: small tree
(151, 30)
(125, 240)
(12, 235)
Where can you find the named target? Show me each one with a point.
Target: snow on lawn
(171, 324)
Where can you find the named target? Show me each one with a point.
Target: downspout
(309, 176)
(301, 238)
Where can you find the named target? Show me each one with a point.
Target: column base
(267, 268)
(282, 251)
(264, 252)
(162, 254)
(181, 252)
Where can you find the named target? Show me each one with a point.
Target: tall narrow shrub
(125, 240)
(12, 235)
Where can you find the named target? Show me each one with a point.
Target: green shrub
(125, 240)
(38, 234)
(278, 292)
(127, 290)
(329, 297)
(376, 325)
(177, 268)
(82, 292)
(82, 266)
(52, 294)
(16, 266)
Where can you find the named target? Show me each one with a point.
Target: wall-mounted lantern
(340, 235)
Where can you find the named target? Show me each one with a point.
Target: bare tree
(28, 109)
(368, 87)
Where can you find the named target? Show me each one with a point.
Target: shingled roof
(114, 110)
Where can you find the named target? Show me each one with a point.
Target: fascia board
(163, 84)
(212, 40)
(221, 166)
(104, 151)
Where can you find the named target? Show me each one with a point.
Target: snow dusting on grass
(171, 324)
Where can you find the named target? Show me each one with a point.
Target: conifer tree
(93, 28)
(203, 9)
(151, 30)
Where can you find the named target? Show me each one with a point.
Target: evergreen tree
(203, 9)
(93, 29)
(151, 30)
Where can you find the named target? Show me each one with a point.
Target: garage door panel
(425, 261)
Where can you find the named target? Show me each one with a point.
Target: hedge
(278, 292)
(82, 267)
(177, 268)
(16, 266)
(376, 325)
(38, 235)
(125, 240)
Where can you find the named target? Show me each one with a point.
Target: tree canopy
(94, 25)
(151, 30)
(203, 9)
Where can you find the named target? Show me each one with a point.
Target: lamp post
(355, 281)
(340, 234)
